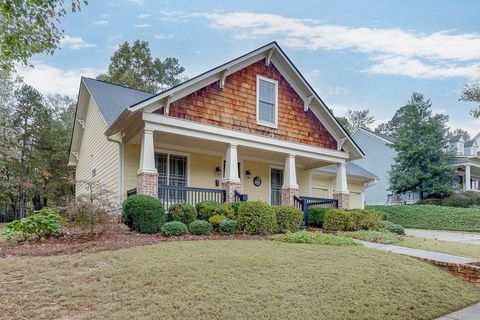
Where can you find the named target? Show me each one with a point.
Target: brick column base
(230, 187)
(343, 200)
(287, 196)
(147, 183)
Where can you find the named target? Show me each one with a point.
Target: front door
(276, 182)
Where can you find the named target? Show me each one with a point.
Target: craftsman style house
(250, 127)
(466, 162)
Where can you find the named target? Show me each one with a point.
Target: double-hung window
(267, 102)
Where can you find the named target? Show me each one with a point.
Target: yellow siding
(261, 170)
(96, 152)
(202, 170)
(303, 182)
(355, 195)
(131, 156)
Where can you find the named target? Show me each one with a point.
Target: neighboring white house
(467, 162)
(379, 158)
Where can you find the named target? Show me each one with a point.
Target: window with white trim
(267, 101)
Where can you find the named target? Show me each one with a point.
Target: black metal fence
(239, 197)
(170, 195)
(305, 203)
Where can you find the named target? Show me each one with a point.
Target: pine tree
(423, 163)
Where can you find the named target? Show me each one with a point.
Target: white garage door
(319, 192)
(355, 200)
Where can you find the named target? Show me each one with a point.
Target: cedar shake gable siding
(235, 107)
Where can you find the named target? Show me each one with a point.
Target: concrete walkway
(418, 253)
(469, 313)
(460, 237)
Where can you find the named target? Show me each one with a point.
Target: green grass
(457, 249)
(314, 238)
(229, 280)
(433, 217)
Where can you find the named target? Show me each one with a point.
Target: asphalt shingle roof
(455, 138)
(112, 99)
(381, 135)
(352, 170)
(469, 143)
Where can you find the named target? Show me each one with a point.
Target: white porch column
(290, 185)
(231, 181)
(341, 188)
(147, 176)
(467, 184)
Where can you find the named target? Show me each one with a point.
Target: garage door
(319, 192)
(355, 200)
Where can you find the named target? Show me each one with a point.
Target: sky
(356, 54)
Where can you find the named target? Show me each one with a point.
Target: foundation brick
(287, 196)
(343, 200)
(230, 187)
(147, 183)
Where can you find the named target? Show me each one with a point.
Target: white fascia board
(372, 135)
(197, 130)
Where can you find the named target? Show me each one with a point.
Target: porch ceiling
(170, 141)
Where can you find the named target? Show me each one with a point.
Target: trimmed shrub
(374, 236)
(459, 200)
(351, 220)
(182, 212)
(228, 226)
(143, 213)
(88, 216)
(225, 210)
(288, 218)
(41, 224)
(315, 217)
(235, 207)
(339, 220)
(257, 217)
(174, 228)
(314, 238)
(200, 227)
(206, 209)
(216, 219)
(392, 227)
(432, 201)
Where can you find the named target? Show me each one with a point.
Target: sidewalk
(460, 237)
(417, 253)
(469, 313)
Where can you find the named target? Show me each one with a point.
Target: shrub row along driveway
(229, 279)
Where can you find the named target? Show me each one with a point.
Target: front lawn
(433, 217)
(457, 249)
(229, 280)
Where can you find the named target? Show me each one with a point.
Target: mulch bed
(114, 237)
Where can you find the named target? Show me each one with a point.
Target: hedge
(174, 228)
(143, 213)
(200, 227)
(288, 218)
(182, 212)
(257, 217)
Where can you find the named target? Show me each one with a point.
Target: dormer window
(267, 102)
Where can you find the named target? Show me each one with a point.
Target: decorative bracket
(269, 57)
(82, 123)
(167, 105)
(75, 154)
(340, 143)
(223, 77)
(306, 103)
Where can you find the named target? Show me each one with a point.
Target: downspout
(121, 166)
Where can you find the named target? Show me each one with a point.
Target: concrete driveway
(460, 237)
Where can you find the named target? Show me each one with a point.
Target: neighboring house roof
(272, 53)
(387, 138)
(352, 170)
(470, 143)
(112, 99)
(456, 138)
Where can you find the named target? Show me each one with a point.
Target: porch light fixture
(248, 174)
(218, 171)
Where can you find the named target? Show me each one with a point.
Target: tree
(30, 27)
(345, 124)
(391, 127)
(422, 163)
(471, 93)
(133, 66)
(359, 119)
(460, 132)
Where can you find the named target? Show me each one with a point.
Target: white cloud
(143, 16)
(442, 54)
(99, 22)
(75, 43)
(143, 25)
(163, 36)
(337, 91)
(48, 79)
(139, 2)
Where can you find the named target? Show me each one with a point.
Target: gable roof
(386, 138)
(456, 138)
(112, 99)
(352, 170)
(273, 54)
(470, 143)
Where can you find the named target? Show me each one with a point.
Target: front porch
(183, 165)
(468, 177)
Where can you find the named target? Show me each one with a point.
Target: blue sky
(356, 54)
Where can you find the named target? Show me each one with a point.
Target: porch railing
(239, 197)
(305, 203)
(170, 195)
